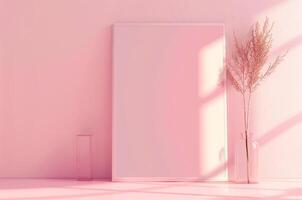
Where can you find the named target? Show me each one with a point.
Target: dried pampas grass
(247, 67)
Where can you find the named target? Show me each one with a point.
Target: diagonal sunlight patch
(212, 112)
(287, 16)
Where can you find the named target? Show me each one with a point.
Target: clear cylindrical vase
(246, 169)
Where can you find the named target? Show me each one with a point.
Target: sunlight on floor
(38, 189)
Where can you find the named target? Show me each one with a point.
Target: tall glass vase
(246, 170)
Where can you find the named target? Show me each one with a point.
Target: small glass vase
(246, 171)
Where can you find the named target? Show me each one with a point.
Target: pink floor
(38, 189)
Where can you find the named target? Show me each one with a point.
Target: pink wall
(56, 77)
(55, 80)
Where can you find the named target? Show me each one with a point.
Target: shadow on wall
(280, 129)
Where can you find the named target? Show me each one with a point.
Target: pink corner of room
(137, 99)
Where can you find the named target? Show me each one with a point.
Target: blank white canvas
(169, 111)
